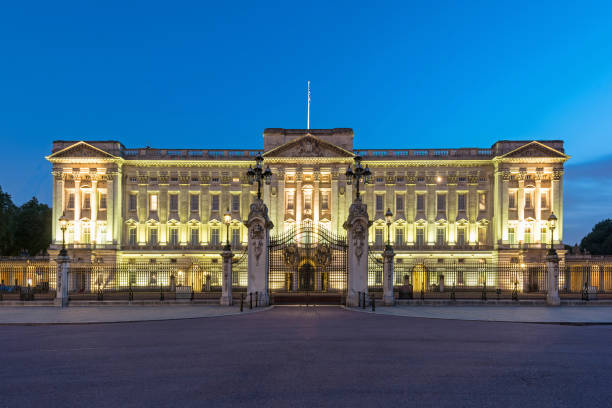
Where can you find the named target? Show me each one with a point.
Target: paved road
(306, 357)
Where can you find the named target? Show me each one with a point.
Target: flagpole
(308, 120)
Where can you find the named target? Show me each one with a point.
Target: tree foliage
(599, 240)
(25, 229)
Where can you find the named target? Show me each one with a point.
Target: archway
(306, 275)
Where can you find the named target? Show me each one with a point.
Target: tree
(599, 240)
(8, 212)
(33, 227)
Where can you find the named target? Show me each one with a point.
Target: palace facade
(126, 204)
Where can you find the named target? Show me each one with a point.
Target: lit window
(528, 199)
(153, 202)
(378, 236)
(307, 200)
(153, 236)
(543, 235)
(460, 236)
(132, 236)
(511, 236)
(290, 201)
(544, 199)
(482, 235)
(325, 201)
(70, 201)
(482, 202)
(420, 237)
(528, 238)
(86, 234)
(86, 201)
(512, 200)
(214, 202)
(440, 233)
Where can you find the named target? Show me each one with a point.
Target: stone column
(61, 285)
(521, 207)
(77, 208)
(472, 208)
(298, 198)
(315, 198)
(357, 225)
(335, 214)
(538, 207)
(431, 209)
(504, 205)
(280, 200)
(110, 208)
(259, 226)
(410, 207)
(451, 205)
(226, 284)
(552, 276)
(557, 202)
(93, 201)
(388, 255)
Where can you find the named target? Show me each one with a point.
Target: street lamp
(63, 221)
(389, 218)
(358, 174)
(227, 218)
(552, 223)
(258, 174)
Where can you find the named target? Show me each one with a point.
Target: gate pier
(259, 226)
(357, 225)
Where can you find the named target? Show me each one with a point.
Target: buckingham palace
(128, 204)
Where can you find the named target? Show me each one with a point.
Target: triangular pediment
(308, 146)
(81, 149)
(534, 149)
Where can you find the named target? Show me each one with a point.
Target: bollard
(515, 292)
(422, 294)
(373, 303)
(130, 293)
(498, 292)
(453, 296)
(363, 304)
(161, 293)
(359, 298)
(256, 299)
(241, 301)
(250, 300)
(484, 293)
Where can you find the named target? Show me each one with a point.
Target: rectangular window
(544, 199)
(70, 201)
(461, 201)
(482, 202)
(86, 201)
(325, 201)
(420, 202)
(214, 202)
(482, 235)
(173, 236)
(380, 202)
(102, 201)
(86, 234)
(378, 237)
(441, 202)
(173, 202)
(153, 236)
(153, 202)
(290, 201)
(440, 236)
(132, 202)
(399, 236)
(194, 202)
(544, 235)
(420, 237)
(511, 236)
(399, 203)
(195, 236)
(528, 238)
(307, 200)
(235, 237)
(214, 236)
(235, 203)
(460, 236)
(132, 236)
(512, 200)
(528, 199)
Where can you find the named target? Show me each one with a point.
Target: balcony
(435, 247)
(176, 248)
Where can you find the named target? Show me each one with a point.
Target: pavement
(522, 314)
(113, 314)
(306, 357)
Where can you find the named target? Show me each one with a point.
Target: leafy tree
(8, 212)
(599, 241)
(33, 229)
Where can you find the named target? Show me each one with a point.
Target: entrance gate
(308, 264)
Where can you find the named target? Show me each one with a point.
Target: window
(235, 203)
(543, 235)
(440, 236)
(153, 202)
(235, 237)
(441, 202)
(528, 199)
(511, 236)
(325, 201)
(173, 202)
(86, 201)
(132, 235)
(214, 202)
(102, 201)
(482, 235)
(461, 202)
(290, 201)
(86, 234)
(460, 236)
(399, 203)
(482, 202)
(194, 202)
(512, 200)
(132, 202)
(420, 202)
(308, 200)
(544, 199)
(420, 236)
(378, 237)
(399, 236)
(380, 202)
(153, 236)
(214, 236)
(195, 236)
(528, 238)
(70, 201)
(173, 236)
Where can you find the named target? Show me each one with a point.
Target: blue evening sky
(215, 74)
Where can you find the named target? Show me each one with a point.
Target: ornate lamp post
(258, 174)
(552, 223)
(63, 221)
(227, 219)
(389, 218)
(358, 174)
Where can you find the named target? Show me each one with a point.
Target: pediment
(308, 146)
(81, 149)
(534, 149)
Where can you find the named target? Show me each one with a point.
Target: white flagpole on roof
(308, 120)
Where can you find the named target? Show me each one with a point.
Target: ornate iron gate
(308, 258)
